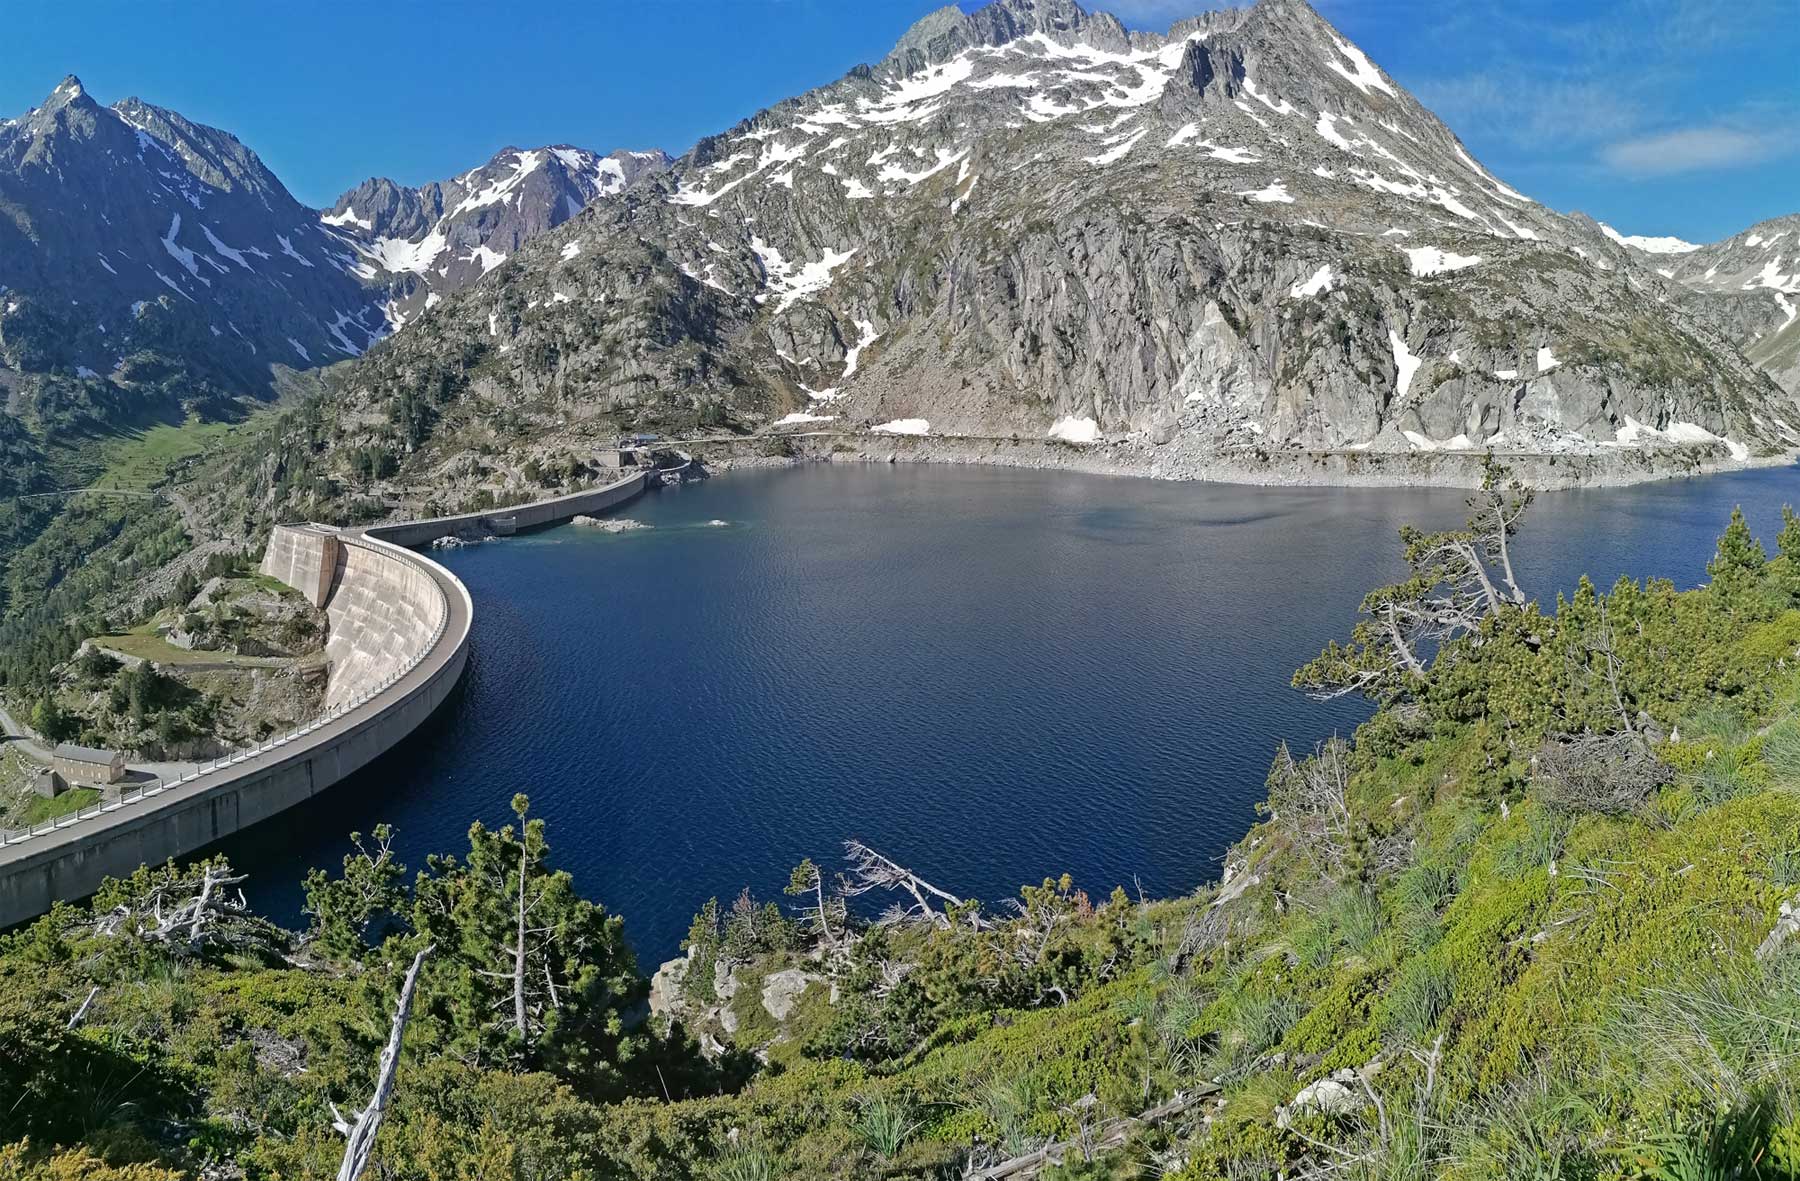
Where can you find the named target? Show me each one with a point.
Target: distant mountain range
(1758, 274)
(428, 242)
(1029, 221)
(128, 233)
(1025, 220)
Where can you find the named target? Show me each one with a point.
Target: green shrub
(1418, 996)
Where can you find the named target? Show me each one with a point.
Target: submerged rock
(609, 524)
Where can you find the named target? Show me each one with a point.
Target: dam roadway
(395, 588)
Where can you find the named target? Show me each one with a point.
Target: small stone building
(49, 784)
(86, 764)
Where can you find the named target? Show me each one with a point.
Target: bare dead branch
(869, 870)
(361, 1134)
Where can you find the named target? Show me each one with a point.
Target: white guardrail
(156, 787)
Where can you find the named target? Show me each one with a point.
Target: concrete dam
(397, 646)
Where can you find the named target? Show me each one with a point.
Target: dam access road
(398, 646)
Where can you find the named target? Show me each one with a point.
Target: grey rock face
(1030, 221)
(782, 990)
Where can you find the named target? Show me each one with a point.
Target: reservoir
(992, 676)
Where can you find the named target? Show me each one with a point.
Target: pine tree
(50, 721)
(1785, 569)
(369, 896)
(1738, 564)
(528, 973)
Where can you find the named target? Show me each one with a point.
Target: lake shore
(1272, 467)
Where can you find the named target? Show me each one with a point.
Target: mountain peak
(946, 32)
(68, 92)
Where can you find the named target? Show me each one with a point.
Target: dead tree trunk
(824, 915)
(519, 948)
(81, 1013)
(1111, 1134)
(361, 1135)
(871, 871)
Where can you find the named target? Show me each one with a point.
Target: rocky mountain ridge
(1030, 221)
(129, 228)
(135, 241)
(1753, 276)
(434, 239)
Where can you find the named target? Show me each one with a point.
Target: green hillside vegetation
(1525, 923)
(67, 561)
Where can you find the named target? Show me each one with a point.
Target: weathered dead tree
(1612, 774)
(1459, 579)
(193, 911)
(826, 914)
(1601, 662)
(1110, 1134)
(1201, 931)
(869, 870)
(360, 1133)
(892, 973)
(81, 1013)
(1310, 798)
(518, 949)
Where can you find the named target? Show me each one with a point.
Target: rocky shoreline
(1279, 467)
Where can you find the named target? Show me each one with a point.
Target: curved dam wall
(397, 646)
(525, 516)
(386, 694)
(305, 559)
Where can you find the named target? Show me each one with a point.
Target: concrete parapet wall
(305, 558)
(524, 516)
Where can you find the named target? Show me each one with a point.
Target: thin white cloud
(1606, 76)
(1548, 112)
(1692, 149)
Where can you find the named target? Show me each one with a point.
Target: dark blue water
(992, 676)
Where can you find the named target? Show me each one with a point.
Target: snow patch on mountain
(1274, 193)
(347, 218)
(1649, 245)
(1405, 364)
(1321, 282)
(1361, 73)
(1071, 429)
(1433, 260)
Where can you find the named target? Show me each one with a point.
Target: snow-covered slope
(1649, 245)
(1765, 257)
(431, 241)
(1240, 234)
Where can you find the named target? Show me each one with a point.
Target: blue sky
(1659, 116)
